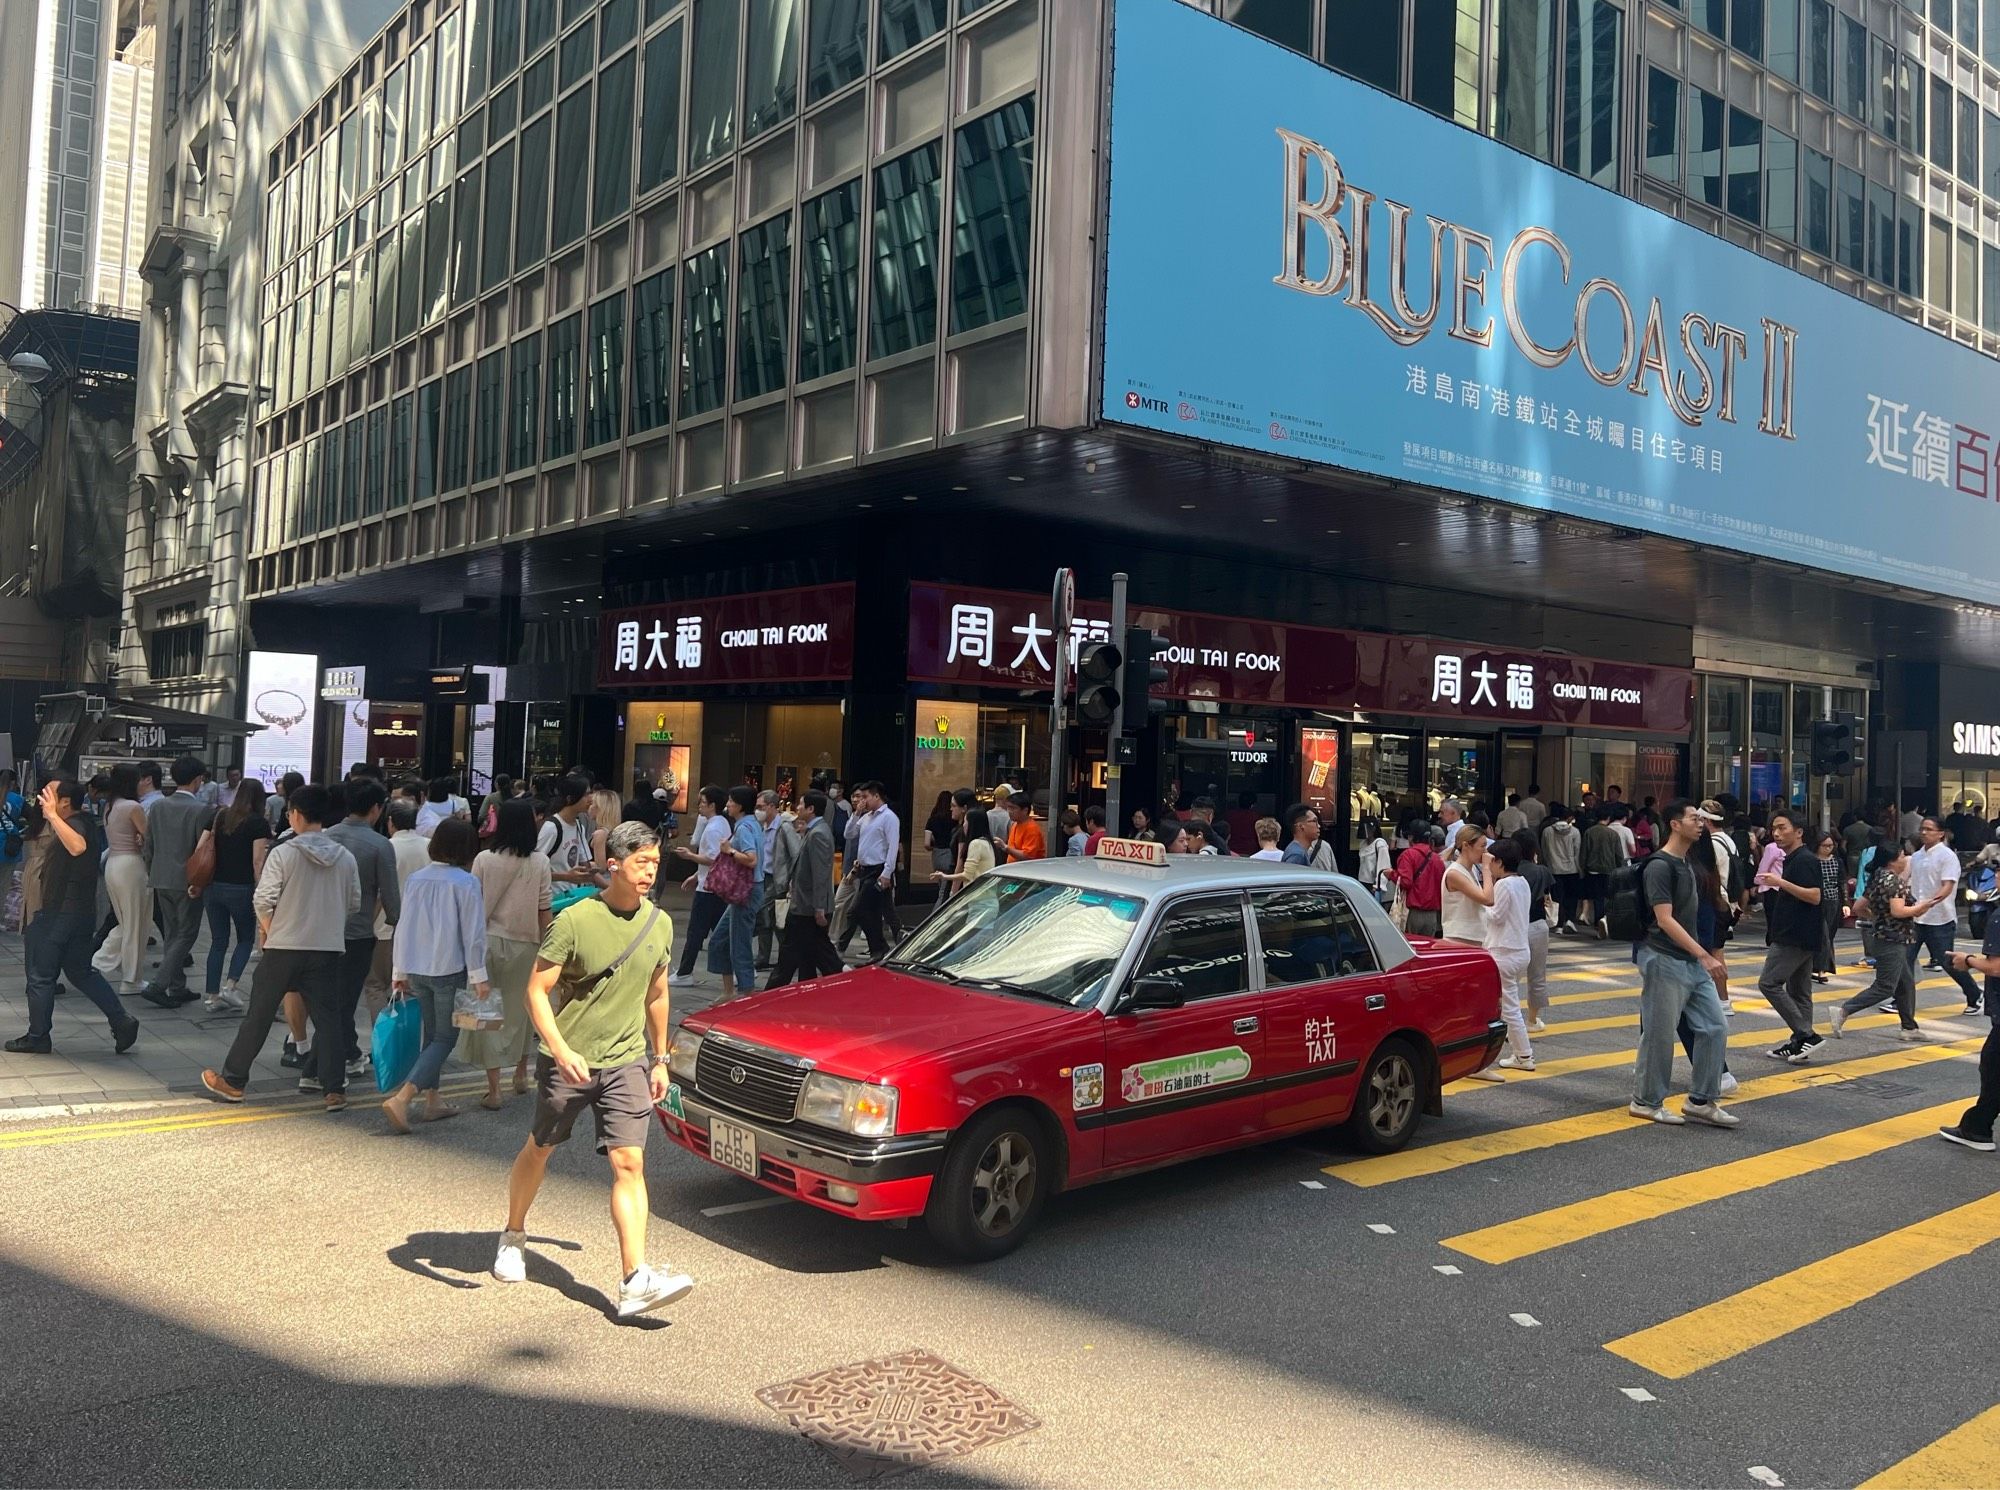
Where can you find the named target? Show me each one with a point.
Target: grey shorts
(620, 1097)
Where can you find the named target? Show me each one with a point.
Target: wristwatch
(660, 1060)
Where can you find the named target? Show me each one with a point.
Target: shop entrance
(788, 747)
(1238, 764)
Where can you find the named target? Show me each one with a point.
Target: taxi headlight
(858, 1107)
(680, 1057)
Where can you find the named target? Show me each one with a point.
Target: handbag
(471, 1012)
(730, 878)
(201, 863)
(399, 1035)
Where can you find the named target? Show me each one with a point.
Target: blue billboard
(1303, 266)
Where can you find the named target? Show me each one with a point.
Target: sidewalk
(176, 1044)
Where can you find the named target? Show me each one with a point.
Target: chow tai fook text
(776, 636)
(1005, 639)
(1315, 193)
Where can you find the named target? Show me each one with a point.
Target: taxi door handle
(1378, 1001)
(1247, 1026)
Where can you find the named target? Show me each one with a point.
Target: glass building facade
(537, 263)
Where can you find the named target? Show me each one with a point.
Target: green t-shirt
(608, 1026)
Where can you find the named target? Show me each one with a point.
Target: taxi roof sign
(1132, 851)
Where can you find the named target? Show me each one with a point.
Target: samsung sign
(1975, 739)
(1304, 266)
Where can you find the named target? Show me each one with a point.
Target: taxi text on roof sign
(1132, 851)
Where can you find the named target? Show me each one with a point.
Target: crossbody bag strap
(652, 915)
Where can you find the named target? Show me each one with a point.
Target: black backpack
(1625, 905)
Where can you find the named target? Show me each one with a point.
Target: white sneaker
(212, 1002)
(231, 1000)
(510, 1263)
(1486, 1073)
(1728, 1083)
(1728, 1008)
(1910, 1037)
(649, 1289)
(1711, 1113)
(1837, 1019)
(1657, 1114)
(1537, 1027)
(1516, 1063)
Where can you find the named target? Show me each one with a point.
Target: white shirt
(1374, 869)
(1275, 856)
(1507, 918)
(1931, 869)
(1511, 821)
(1625, 837)
(1460, 913)
(879, 834)
(1534, 810)
(708, 840)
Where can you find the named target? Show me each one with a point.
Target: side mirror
(1155, 991)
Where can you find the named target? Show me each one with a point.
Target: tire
(1389, 1100)
(991, 1190)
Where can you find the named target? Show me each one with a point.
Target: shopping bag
(399, 1035)
(471, 1012)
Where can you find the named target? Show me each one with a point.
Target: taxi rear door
(1326, 1005)
(1186, 1077)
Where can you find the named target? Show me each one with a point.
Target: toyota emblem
(737, 1074)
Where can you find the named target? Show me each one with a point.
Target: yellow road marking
(1437, 1158)
(1604, 1060)
(218, 1117)
(1968, 1455)
(1562, 1225)
(1773, 1309)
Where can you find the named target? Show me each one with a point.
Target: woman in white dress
(125, 881)
(1463, 894)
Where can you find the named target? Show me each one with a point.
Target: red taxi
(1073, 1020)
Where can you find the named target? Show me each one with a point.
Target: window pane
(1746, 166)
(1881, 233)
(1941, 123)
(565, 354)
(1364, 39)
(652, 350)
(1989, 285)
(1968, 24)
(1593, 103)
(1711, 15)
(531, 218)
(430, 409)
(1853, 68)
(704, 330)
(577, 53)
(493, 259)
(1910, 98)
(1705, 148)
(904, 312)
(477, 26)
(1746, 27)
(437, 257)
(1444, 59)
(409, 289)
(1781, 37)
(487, 416)
(660, 110)
(572, 161)
(605, 385)
(538, 85)
(402, 432)
(619, 25)
(1965, 284)
(1781, 184)
(1909, 263)
(611, 186)
(1663, 125)
(1286, 22)
(1200, 946)
(506, 38)
(712, 82)
(465, 238)
(991, 227)
(1990, 34)
(1850, 223)
(1819, 48)
(837, 48)
(763, 288)
(503, 112)
(904, 23)
(350, 480)
(829, 281)
(1524, 102)
(374, 488)
(1309, 936)
(539, 26)
(1968, 141)
(525, 407)
(1939, 276)
(1882, 80)
(1819, 203)
(770, 65)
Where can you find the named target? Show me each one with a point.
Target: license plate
(733, 1146)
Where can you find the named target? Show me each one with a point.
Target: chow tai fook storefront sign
(775, 636)
(997, 638)
(1301, 265)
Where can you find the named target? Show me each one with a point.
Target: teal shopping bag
(399, 1035)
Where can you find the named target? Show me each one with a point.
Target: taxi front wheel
(1390, 1099)
(990, 1191)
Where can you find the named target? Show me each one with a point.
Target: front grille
(769, 1088)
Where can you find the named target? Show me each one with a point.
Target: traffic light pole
(1062, 602)
(1114, 773)
(1825, 803)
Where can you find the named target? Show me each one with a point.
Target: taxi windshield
(1035, 938)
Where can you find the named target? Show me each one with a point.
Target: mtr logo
(1135, 400)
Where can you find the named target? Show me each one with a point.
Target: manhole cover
(883, 1416)
(1869, 1086)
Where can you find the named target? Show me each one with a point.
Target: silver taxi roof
(1180, 872)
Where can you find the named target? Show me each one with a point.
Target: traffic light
(1833, 742)
(1097, 688)
(1144, 671)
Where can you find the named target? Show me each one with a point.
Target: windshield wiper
(928, 969)
(1001, 985)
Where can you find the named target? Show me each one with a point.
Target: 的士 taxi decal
(1184, 1073)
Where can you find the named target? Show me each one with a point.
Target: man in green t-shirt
(607, 956)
